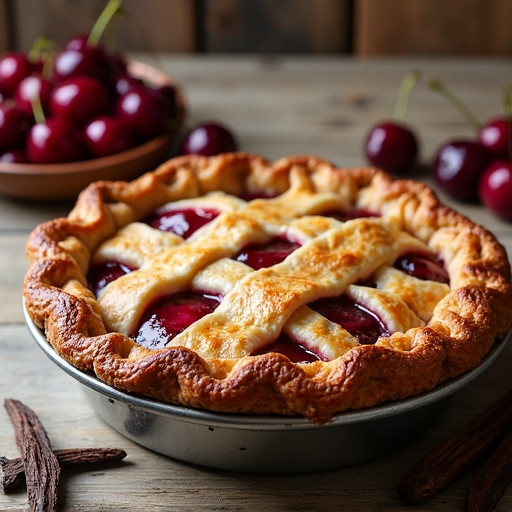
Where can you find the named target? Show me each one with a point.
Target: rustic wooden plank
(278, 106)
(12, 249)
(148, 481)
(458, 27)
(301, 26)
(153, 25)
(4, 26)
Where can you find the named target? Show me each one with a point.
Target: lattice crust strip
(438, 330)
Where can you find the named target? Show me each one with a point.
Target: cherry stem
(436, 85)
(112, 7)
(43, 48)
(37, 108)
(404, 95)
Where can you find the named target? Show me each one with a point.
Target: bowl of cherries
(80, 115)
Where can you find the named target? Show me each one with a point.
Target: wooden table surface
(277, 107)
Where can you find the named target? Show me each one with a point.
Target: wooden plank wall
(358, 27)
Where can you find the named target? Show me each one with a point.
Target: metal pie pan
(265, 444)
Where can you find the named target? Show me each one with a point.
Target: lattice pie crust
(438, 330)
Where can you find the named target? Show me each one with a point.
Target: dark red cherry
(14, 67)
(392, 146)
(181, 222)
(124, 82)
(362, 323)
(422, 266)
(458, 167)
(91, 61)
(268, 254)
(54, 141)
(107, 135)
(33, 88)
(101, 274)
(496, 136)
(14, 125)
(13, 156)
(142, 112)
(166, 94)
(208, 139)
(354, 213)
(171, 315)
(79, 99)
(495, 188)
(290, 348)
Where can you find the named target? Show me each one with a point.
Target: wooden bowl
(66, 180)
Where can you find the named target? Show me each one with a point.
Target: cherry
(79, 99)
(14, 125)
(33, 88)
(13, 156)
(208, 139)
(142, 112)
(355, 318)
(107, 135)
(182, 222)
(392, 145)
(496, 135)
(171, 315)
(166, 94)
(290, 348)
(83, 55)
(101, 274)
(53, 141)
(14, 67)
(423, 266)
(495, 188)
(124, 82)
(458, 167)
(354, 213)
(266, 255)
(90, 61)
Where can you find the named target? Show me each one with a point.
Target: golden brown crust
(464, 325)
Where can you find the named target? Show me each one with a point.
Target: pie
(233, 284)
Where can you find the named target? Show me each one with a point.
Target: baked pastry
(233, 284)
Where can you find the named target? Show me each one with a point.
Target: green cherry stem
(112, 7)
(437, 86)
(404, 95)
(37, 109)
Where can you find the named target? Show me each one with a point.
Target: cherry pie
(296, 288)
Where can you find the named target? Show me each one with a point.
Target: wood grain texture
(423, 27)
(152, 25)
(277, 106)
(290, 26)
(4, 26)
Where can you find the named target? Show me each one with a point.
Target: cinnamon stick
(490, 483)
(42, 469)
(12, 471)
(458, 453)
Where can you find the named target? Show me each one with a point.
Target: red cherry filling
(268, 254)
(171, 315)
(423, 266)
(182, 222)
(355, 213)
(104, 273)
(289, 348)
(362, 323)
